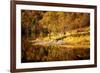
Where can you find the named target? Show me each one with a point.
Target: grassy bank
(71, 46)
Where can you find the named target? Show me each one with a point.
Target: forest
(54, 36)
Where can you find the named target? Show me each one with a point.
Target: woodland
(54, 36)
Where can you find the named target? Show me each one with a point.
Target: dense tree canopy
(54, 36)
(45, 22)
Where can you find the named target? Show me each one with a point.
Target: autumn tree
(30, 19)
(34, 23)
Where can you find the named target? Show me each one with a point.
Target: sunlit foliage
(54, 36)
